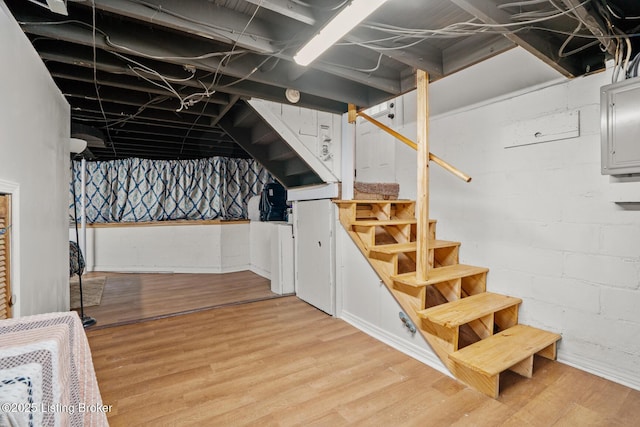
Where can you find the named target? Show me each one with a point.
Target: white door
(375, 149)
(314, 247)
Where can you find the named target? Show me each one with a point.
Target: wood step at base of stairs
(481, 363)
(456, 313)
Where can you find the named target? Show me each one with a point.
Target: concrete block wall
(540, 217)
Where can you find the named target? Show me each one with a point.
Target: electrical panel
(620, 127)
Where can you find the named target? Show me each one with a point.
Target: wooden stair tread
(371, 201)
(440, 274)
(381, 222)
(500, 352)
(465, 310)
(395, 248)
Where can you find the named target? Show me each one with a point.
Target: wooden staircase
(475, 333)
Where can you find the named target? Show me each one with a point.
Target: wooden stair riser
(487, 384)
(388, 211)
(401, 233)
(472, 285)
(438, 257)
(353, 210)
(451, 290)
(367, 235)
(483, 327)
(513, 349)
(444, 256)
(480, 316)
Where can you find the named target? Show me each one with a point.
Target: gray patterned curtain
(132, 190)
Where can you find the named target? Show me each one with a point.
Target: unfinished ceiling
(155, 78)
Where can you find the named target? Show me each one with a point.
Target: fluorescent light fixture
(340, 25)
(58, 6)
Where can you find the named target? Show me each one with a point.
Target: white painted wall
(259, 248)
(178, 249)
(314, 129)
(266, 248)
(34, 161)
(365, 302)
(540, 217)
(271, 252)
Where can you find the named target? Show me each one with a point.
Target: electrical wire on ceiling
(362, 70)
(521, 3)
(95, 73)
(396, 33)
(179, 58)
(563, 54)
(314, 6)
(244, 30)
(617, 15)
(160, 9)
(525, 15)
(632, 71)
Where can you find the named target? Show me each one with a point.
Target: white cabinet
(314, 253)
(271, 254)
(282, 259)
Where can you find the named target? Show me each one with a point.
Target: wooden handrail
(437, 160)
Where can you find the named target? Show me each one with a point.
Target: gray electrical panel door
(620, 127)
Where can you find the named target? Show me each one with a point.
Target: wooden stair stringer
(410, 304)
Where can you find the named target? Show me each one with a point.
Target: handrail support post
(422, 200)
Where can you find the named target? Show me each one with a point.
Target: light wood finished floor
(130, 297)
(282, 362)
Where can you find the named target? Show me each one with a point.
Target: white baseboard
(169, 269)
(410, 349)
(234, 268)
(430, 359)
(260, 271)
(599, 369)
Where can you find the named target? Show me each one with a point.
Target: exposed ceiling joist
(236, 24)
(542, 47)
(196, 17)
(145, 59)
(312, 83)
(287, 8)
